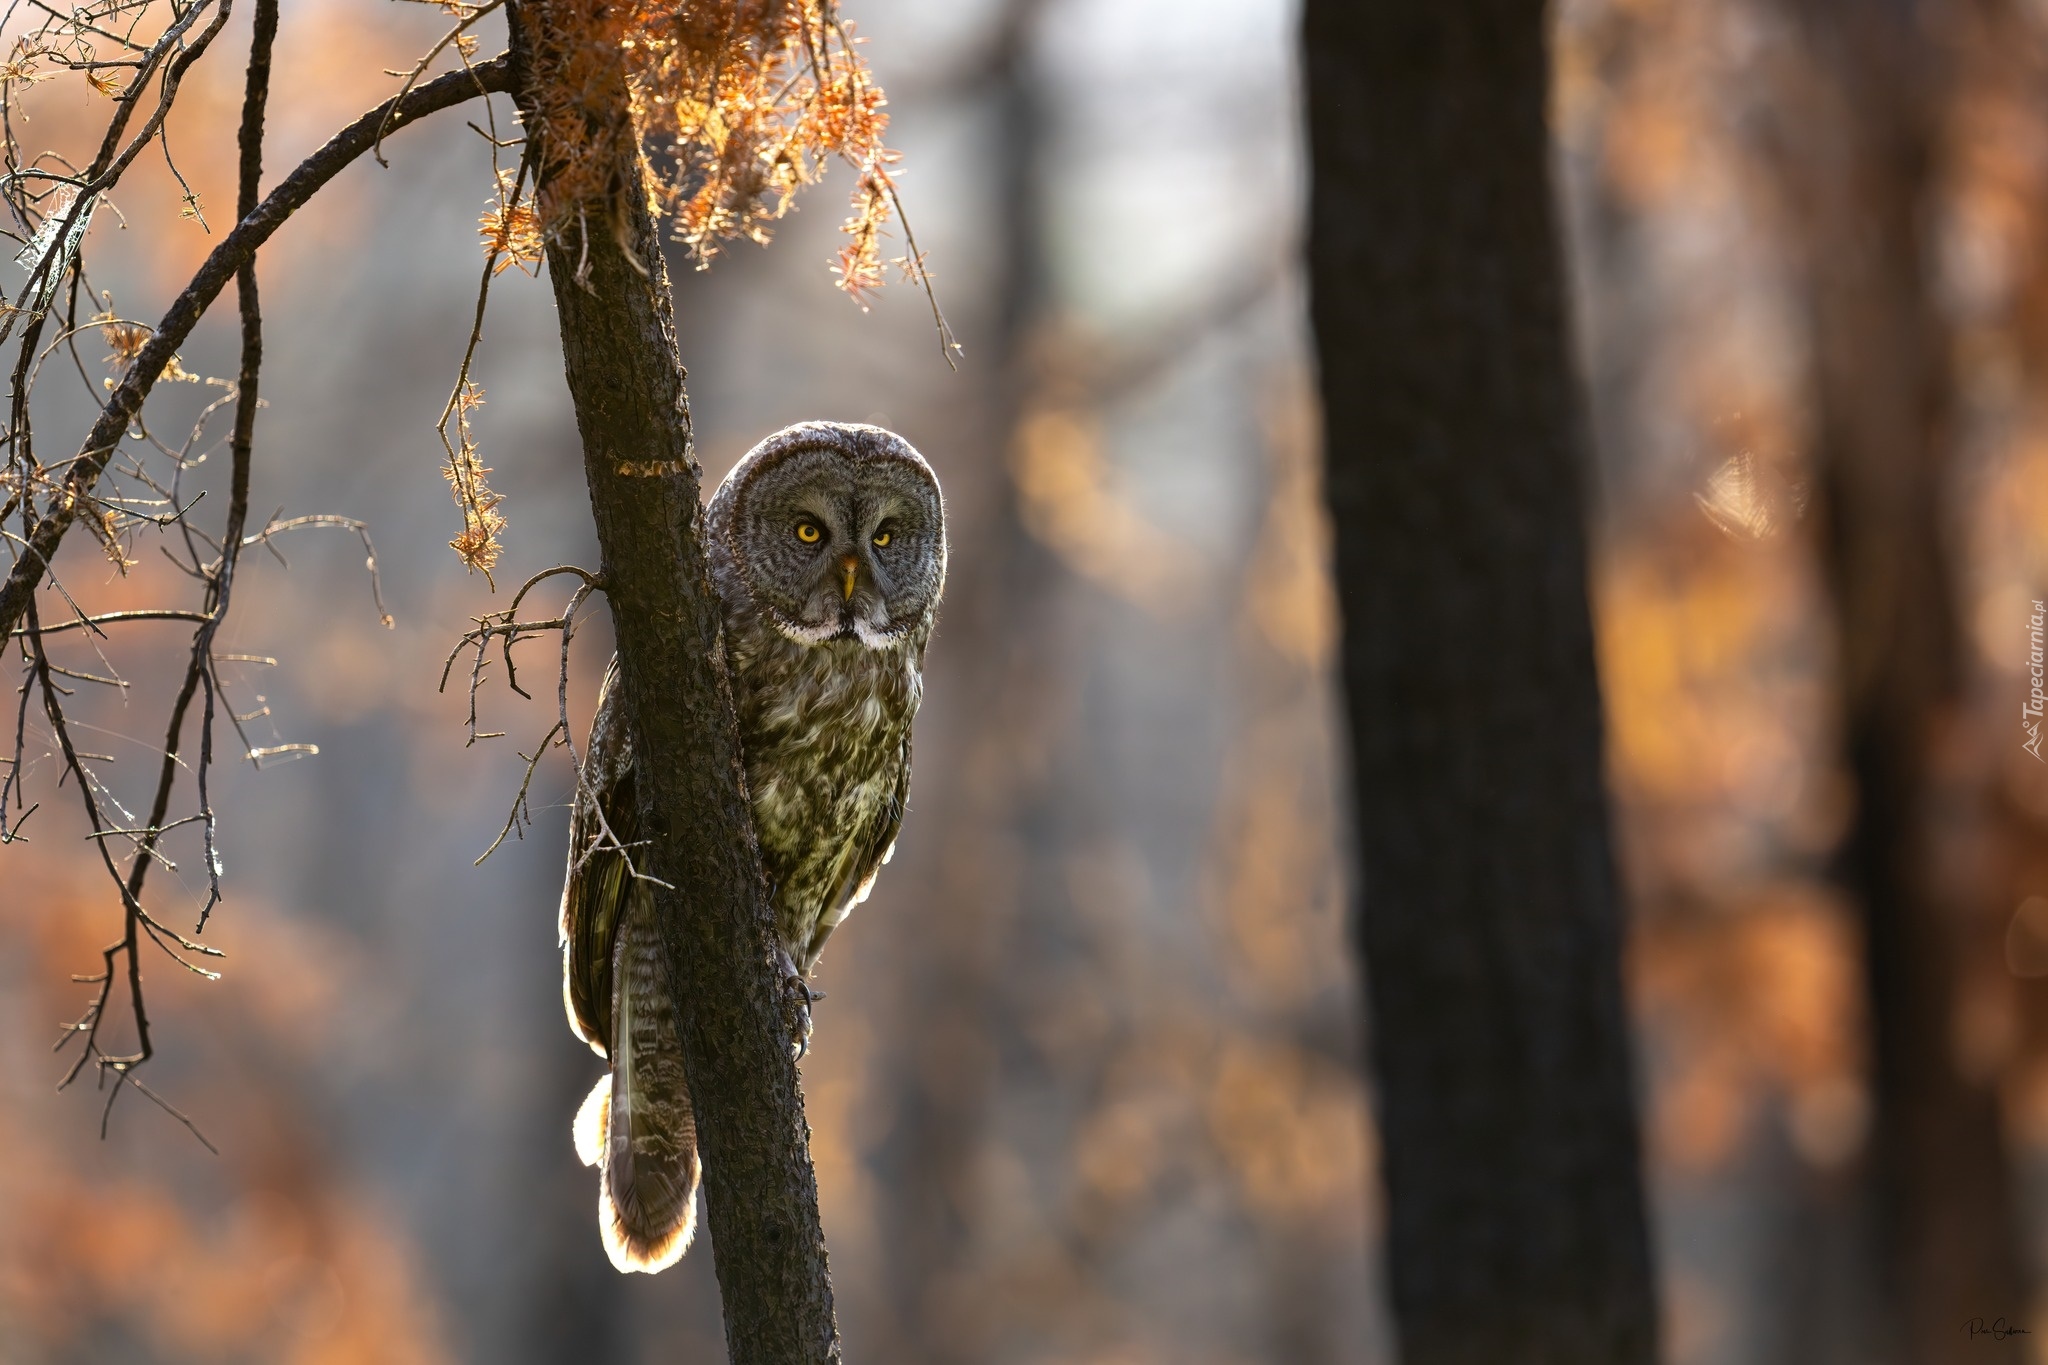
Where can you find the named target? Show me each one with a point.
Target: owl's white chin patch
(800, 632)
(803, 633)
(874, 638)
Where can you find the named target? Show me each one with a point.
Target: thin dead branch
(507, 630)
(40, 544)
(52, 202)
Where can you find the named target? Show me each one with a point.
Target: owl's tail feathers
(588, 1130)
(637, 1128)
(646, 1201)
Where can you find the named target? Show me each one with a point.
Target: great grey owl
(828, 550)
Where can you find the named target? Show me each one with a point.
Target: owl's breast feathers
(826, 730)
(826, 734)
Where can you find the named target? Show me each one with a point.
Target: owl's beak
(849, 569)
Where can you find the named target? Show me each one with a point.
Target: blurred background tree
(1864, 166)
(1087, 1088)
(1489, 918)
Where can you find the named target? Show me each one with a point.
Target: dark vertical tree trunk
(1884, 404)
(1491, 923)
(626, 380)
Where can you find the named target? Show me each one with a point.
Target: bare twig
(521, 812)
(420, 68)
(220, 586)
(44, 500)
(507, 629)
(93, 623)
(226, 260)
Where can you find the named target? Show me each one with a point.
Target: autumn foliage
(732, 107)
(719, 113)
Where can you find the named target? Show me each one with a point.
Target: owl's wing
(595, 891)
(875, 850)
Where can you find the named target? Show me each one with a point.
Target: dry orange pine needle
(733, 106)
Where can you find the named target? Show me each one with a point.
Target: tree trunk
(1884, 401)
(626, 380)
(1490, 924)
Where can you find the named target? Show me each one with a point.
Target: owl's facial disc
(843, 550)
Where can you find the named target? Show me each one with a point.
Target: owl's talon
(796, 1007)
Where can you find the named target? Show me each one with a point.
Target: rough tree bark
(1884, 403)
(626, 380)
(1491, 922)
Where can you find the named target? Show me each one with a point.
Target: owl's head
(837, 531)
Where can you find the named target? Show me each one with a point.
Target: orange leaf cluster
(731, 106)
(22, 66)
(125, 340)
(510, 228)
(477, 546)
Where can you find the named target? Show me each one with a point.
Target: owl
(828, 552)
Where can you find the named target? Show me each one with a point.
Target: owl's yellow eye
(808, 533)
(882, 539)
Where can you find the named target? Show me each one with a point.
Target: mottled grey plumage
(828, 551)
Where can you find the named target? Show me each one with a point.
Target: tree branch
(235, 251)
(625, 376)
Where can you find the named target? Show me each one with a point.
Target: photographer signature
(1998, 1329)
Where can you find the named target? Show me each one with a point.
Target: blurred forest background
(1087, 1086)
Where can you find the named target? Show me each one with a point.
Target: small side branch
(237, 248)
(506, 629)
(453, 35)
(93, 623)
(39, 501)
